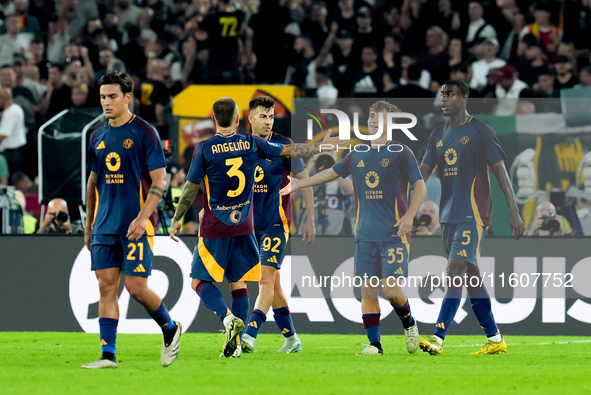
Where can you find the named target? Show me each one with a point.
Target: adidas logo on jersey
(399, 271)
(361, 164)
(139, 269)
(440, 325)
(273, 259)
(439, 144)
(101, 145)
(463, 253)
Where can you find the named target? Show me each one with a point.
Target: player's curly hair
(383, 105)
(262, 101)
(117, 78)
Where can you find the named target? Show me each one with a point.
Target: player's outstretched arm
(188, 195)
(404, 224)
(90, 206)
(515, 221)
(320, 178)
(306, 150)
(137, 228)
(308, 196)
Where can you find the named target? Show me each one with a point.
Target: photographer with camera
(426, 223)
(57, 219)
(548, 223)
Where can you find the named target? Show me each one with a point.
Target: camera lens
(61, 216)
(551, 224)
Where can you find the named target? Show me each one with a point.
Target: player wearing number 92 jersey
(226, 167)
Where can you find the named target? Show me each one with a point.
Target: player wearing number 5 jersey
(382, 177)
(127, 177)
(225, 166)
(463, 150)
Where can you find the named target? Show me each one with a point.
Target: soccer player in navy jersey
(272, 220)
(382, 176)
(225, 165)
(464, 149)
(127, 179)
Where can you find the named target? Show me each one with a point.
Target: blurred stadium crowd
(52, 54)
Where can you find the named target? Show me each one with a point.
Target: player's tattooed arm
(306, 150)
(188, 195)
(156, 191)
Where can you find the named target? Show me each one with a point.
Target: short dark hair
(223, 111)
(117, 78)
(461, 85)
(262, 101)
(586, 69)
(17, 177)
(58, 66)
(7, 66)
(373, 47)
(547, 70)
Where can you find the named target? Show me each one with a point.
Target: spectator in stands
(7, 7)
(435, 59)
(486, 53)
(462, 71)
(391, 51)
(133, 53)
(29, 23)
(365, 34)
(13, 135)
(565, 77)
(543, 225)
(57, 39)
(455, 52)
(367, 80)
(39, 59)
(345, 17)
(447, 18)
(79, 94)
(578, 28)
(187, 70)
(4, 170)
(302, 72)
(343, 59)
(154, 97)
(58, 96)
(111, 25)
(223, 59)
(22, 184)
(547, 91)
(20, 62)
(126, 12)
(316, 26)
(478, 29)
(533, 60)
(507, 88)
(548, 34)
(391, 81)
(57, 219)
(584, 78)
(198, 7)
(13, 41)
(75, 13)
(267, 37)
(326, 93)
(406, 59)
(412, 89)
(431, 209)
(509, 49)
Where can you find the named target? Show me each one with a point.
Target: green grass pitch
(49, 363)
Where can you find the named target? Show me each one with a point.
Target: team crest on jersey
(235, 216)
(451, 156)
(128, 143)
(259, 174)
(368, 179)
(465, 140)
(113, 161)
(385, 162)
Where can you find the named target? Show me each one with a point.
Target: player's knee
(456, 268)
(135, 288)
(392, 293)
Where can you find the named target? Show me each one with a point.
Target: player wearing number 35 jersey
(382, 177)
(225, 166)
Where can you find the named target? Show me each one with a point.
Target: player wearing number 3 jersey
(225, 166)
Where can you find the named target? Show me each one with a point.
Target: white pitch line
(524, 344)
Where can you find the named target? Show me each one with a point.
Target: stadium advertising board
(539, 287)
